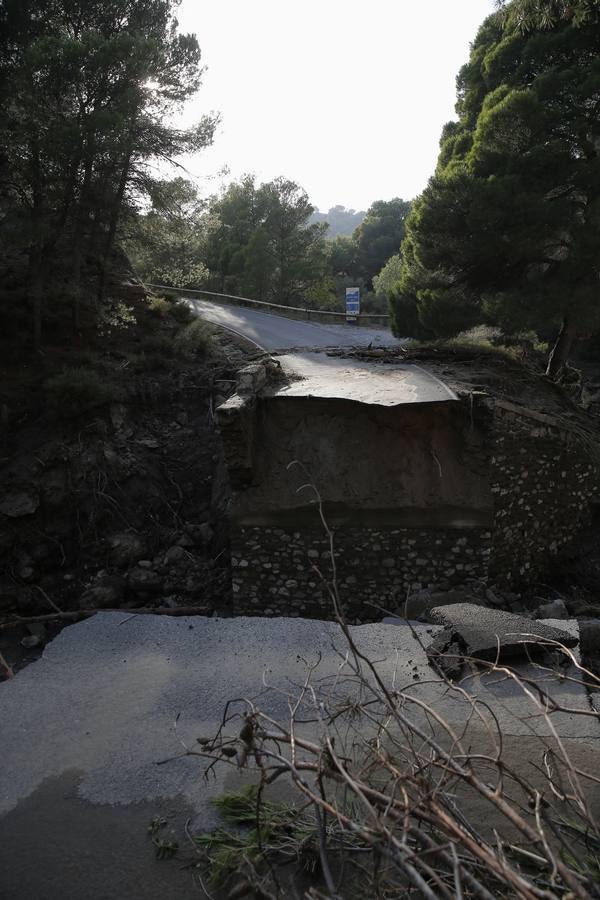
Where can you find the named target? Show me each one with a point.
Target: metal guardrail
(304, 312)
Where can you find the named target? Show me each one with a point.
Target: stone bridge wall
(418, 497)
(544, 482)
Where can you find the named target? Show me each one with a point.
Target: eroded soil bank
(112, 496)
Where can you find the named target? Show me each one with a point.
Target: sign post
(352, 304)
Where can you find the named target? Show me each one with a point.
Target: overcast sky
(347, 98)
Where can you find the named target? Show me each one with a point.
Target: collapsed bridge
(424, 489)
(465, 472)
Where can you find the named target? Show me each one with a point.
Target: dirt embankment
(112, 488)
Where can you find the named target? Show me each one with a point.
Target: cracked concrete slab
(484, 633)
(318, 375)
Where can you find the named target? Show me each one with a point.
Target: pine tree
(508, 229)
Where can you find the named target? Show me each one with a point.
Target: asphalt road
(323, 376)
(82, 730)
(274, 332)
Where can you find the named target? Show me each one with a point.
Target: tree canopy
(341, 221)
(508, 229)
(379, 236)
(85, 89)
(167, 244)
(260, 242)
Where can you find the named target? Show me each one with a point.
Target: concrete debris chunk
(481, 631)
(19, 503)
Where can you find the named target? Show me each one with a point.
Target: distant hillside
(339, 219)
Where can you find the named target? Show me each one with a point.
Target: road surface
(274, 332)
(82, 730)
(323, 376)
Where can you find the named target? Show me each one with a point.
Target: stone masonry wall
(282, 571)
(543, 480)
(421, 499)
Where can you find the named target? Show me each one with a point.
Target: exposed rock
(41, 552)
(589, 635)
(144, 583)
(38, 629)
(174, 554)
(30, 641)
(554, 609)
(127, 548)
(53, 484)
(19, 503)
(485, 632)
(106, 592)
(581, 609)
(118, 415)
(204, 533)
(493, 599)
(9, 593)
(446, 654)
(194, 584)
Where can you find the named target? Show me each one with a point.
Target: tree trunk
(35, 275)
(36, 293)
(79, 233)
(114, 221)
(559, 354)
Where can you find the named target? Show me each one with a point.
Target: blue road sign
(352, 304)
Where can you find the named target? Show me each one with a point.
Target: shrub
(170, 305)
(194, 338)
(77, 389)
(158, 343)
(115, 316)
(151, 361)
(159, 307)
(181, 312)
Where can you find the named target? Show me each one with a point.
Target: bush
(181, 312)
(114, 316)
(151, 361)
(158, 343)
(159, 307)
(193, 339)
(170, 305)
(75, 390)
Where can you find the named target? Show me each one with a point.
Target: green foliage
(259, 243)
(527, 15)
(508, 228)
(161, 344)
(115, 316)
(170, 306)
(339, 220)
(379, 236)
(180, 311)
(193, 339)
(358, 260)
(85, 90)
(77, 390)
(166, 245)
(342, 257)
(165, 849)
(282, 830)
(159, 307)
(323, 295)
(389, 276)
